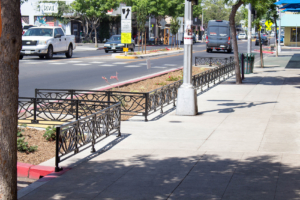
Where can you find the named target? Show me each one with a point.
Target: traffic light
(194, 2)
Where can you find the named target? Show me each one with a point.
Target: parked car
(26, 27)
(46, 41)
(218, 36)
(114, 44)
(264, 41)
(242, 36)
(256, 35)
(281, 39)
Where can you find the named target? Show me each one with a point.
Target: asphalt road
(86, 69)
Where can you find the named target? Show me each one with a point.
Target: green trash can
(249, 63)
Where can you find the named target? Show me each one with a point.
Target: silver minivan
(218, 36)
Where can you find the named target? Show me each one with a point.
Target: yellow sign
(125, 49)
(126, 38)
(268, 25)
(0, 20)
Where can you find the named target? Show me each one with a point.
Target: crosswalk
(142, 64)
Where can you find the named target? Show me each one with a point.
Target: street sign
(126, 38)
(126, 13)
(125, 49)
(126, 26)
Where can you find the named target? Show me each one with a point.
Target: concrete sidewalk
(243, 144)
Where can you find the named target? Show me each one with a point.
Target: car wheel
(106, 51)
(133, 48)
(50, 52)
(21, 57)
(207, 50)
(41, 57)
(69, 53)
(115, 51)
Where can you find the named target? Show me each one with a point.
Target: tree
(141, 17)
(175, 25)
(93, 11)
(10, 47)
(272, 15)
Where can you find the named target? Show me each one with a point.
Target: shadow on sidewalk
(208, 176)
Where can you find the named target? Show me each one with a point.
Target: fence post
(77, 108)
(243, 65)
(210, 61)
(34, 121)
(119, 119)
(35, 93)
(57, 159)
(108, 95)
(76, 137)
(146, 106)
(93, 134)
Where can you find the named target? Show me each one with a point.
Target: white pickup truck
(46, 41)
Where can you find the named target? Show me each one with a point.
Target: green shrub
(21, 129)
(50, 133)
(172, 78)
(23, 146)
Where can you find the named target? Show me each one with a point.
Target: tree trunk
(138, 42)
(10, 47)
(145, 42)
(96, 42)
(276, 40)
(142, 42)
(260, 49)
(233, 34)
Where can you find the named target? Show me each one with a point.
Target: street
(86, 69)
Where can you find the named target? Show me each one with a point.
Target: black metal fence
(71, 137)
(213, 61)
(53, 109)
(141, 103)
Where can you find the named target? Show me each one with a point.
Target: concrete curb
(267, 52)
(139, 79)
(119, 56)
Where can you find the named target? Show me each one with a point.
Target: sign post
(187, 96)
(126, 27)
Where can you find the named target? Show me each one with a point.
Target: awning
(287, 2)
(292, 10)
(291, 6)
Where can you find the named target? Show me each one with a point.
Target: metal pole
(202, 26)
(149, 26)
(279, 35)
(296, 36)
(249, 29)
(187, 97)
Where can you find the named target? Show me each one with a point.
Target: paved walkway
(244, 144)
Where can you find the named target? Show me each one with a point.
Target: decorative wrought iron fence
(62, 110)
(142, 103)
(213, 61)
(70, 137)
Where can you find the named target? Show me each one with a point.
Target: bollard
(243, 66)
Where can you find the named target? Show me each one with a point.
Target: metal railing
(213, 61)
(142, 103)
(72, 136)
(53, 109)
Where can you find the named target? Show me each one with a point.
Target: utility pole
(187, 95)
(279, 32)
(249, 49)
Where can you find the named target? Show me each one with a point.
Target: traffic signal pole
(249, 49)
(187, 94)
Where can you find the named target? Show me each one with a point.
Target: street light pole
(249, 49)
(187, 95)
(202, 24)
(279, 32)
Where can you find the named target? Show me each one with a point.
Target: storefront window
(295, 35)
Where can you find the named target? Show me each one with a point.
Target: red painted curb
(53, 175)
(38, 171)
(267, 52)
(23, 169)
(139, 79)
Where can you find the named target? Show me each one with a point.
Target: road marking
(142, 64)
(158, 67)
(171, 65)
(58, 63)
(74, 61)
(107, 65)
(132, 66)
(96, 62)
(120, 63)
(31, 63)
(82, 64)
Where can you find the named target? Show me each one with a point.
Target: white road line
(96, 62)
(74, 61)
(142, 64)
(30, 63)
(107, 65)
(132, 66)
(58, 63)
(82, 64)
(158, 67)
(119, 63)
(171, 65)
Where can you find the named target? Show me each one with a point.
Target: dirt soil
(45, 150)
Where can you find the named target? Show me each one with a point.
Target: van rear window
(223, 31)
(213, 30)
